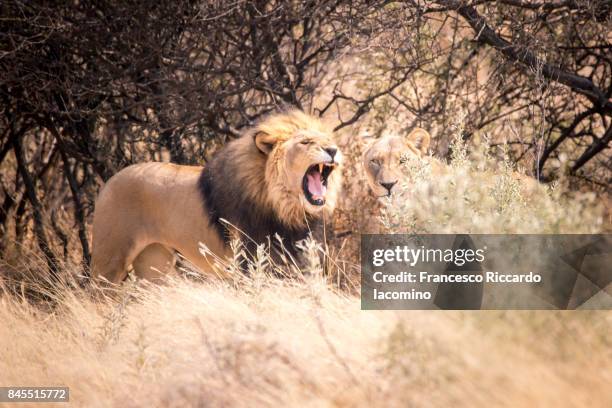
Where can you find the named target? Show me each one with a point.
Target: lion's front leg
(110, 259)
(154, 262)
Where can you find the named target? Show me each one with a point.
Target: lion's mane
(242, 188)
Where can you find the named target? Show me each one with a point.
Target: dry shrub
(479, 193)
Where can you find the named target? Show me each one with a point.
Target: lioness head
(301, 169)
(382, 160)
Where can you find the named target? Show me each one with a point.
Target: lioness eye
(305, 142)
(375, 162)
(403, 159)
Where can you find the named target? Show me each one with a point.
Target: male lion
(280, 177)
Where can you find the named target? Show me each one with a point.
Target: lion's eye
(375, 162)
(305, 142)
(403, 159)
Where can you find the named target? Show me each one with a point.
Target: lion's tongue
(315, 185)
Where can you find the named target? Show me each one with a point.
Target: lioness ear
(420, 139)
(264, 142)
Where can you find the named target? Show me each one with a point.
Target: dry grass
(297, 342)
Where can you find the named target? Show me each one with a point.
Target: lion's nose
(389, 186)
(331, 151)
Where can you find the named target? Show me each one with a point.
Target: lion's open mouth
(315, 182)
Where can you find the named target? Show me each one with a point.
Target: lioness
(383, 159)
(281, 177)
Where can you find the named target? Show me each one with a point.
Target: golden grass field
(269, 342)
(264, 341)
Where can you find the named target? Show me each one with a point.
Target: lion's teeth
(320, 167)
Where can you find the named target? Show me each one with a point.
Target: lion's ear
(420, 139)
(265, 142)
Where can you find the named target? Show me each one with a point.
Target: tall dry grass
(271, 342)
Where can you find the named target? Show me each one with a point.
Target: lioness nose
(389, 186)
(331, 151)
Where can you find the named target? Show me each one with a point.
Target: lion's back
(144, 189)
(145, 178)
